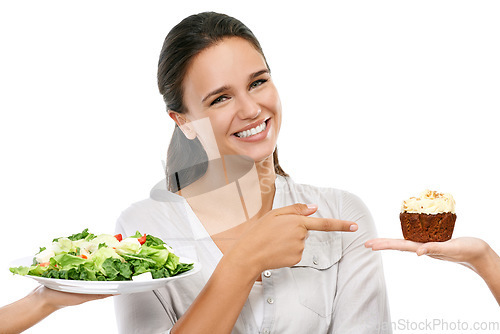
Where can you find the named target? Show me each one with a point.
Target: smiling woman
(248, 99)
(266, 265)
(187, 159)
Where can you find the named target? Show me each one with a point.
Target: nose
(248, 108)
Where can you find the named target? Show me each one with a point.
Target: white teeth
(252, 131)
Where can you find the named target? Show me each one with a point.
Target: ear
(184, 124)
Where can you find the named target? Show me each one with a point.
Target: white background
(381, 98)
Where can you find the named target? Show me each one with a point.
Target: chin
(258, 157)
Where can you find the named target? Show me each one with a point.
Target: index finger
(329, 224)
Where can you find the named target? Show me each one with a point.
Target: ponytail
(187, 161)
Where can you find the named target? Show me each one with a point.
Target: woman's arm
(274, 241)
(473, 253)
(41, 302)
(219, 304)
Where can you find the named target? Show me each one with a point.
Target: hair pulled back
(187, 160)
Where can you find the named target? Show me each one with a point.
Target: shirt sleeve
(360, 304)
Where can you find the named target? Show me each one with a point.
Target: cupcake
(430, 217)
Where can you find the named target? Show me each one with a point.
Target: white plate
(107, 287)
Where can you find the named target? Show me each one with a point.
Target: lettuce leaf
(77, 236)
(158, 254)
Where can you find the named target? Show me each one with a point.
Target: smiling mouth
(253, 131)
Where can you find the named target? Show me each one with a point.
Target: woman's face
(229, 84)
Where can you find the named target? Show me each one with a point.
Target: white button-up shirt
(337, 287)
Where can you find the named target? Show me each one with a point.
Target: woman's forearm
(219, 304)
(24, 313)
(488, 267)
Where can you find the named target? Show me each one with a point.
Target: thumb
(297, 209)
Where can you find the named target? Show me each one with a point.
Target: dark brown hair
(187, 160)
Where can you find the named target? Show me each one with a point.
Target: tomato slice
(142, 239)
(83, 256)
(119, 237)
(45, 264)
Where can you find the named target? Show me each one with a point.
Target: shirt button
(266, 331)
(315, 260)
(270, 300)
(267, 273)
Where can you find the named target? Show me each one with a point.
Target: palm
(461, 250)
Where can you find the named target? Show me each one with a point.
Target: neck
(233, 191)
(267, 177)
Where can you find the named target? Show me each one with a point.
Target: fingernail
(353, 227)
(312, 206)
(368, 244)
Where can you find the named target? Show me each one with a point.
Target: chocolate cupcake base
(421, 227)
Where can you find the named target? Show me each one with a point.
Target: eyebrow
(223, 88)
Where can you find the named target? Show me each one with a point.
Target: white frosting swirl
(429, 202)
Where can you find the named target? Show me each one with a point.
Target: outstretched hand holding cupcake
(427, 223)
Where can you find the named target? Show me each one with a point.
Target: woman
(267, 264)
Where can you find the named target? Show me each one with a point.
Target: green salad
(89, 257)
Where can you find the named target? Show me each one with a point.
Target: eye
(257, 83)
(220, 99)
